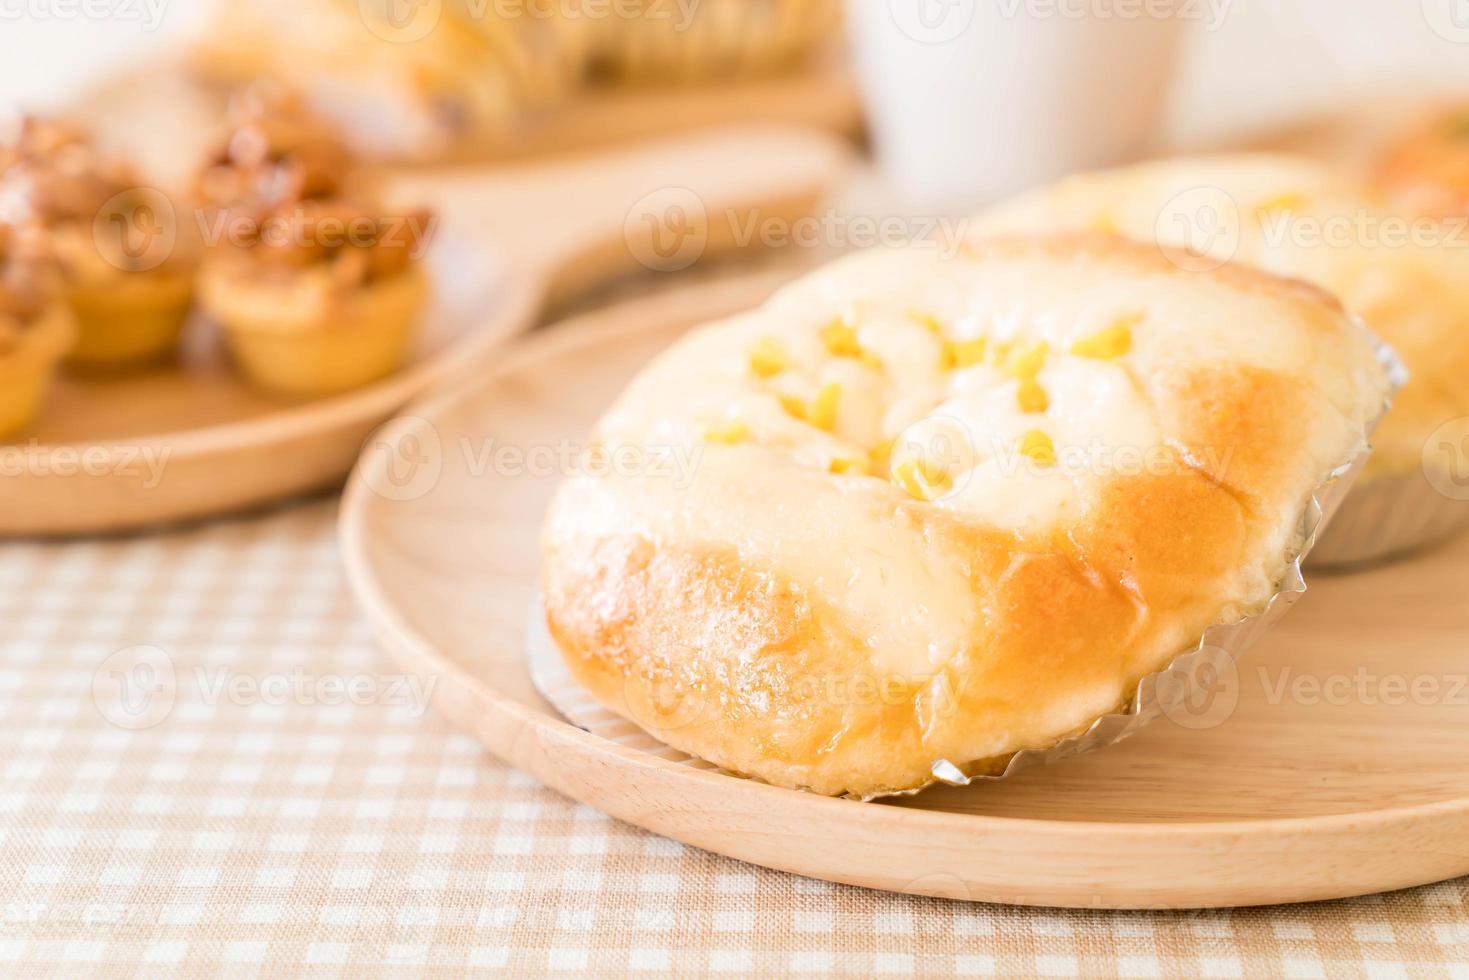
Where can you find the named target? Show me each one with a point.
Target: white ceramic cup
(970, 100)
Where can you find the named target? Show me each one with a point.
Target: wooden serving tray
(1330, 764)
(191, 438)
(163, 109)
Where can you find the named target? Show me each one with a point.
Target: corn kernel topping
(729, 433)
(1292, 201)
(963, 353)
(840, 339)
(1113, 342)
(928, 322)
(1039, 447)
(922, 479)
(1027, 363)
(823, 410)
(1032, 397)
(768, 358)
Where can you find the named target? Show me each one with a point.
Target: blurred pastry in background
(274, 150)
(461, 78)
(1428, 169)
(713, 39)
(322, 296)
(1295, 217)
(418, 83)
(36, 328)
(126, 260)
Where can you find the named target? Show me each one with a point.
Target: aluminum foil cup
(1168, 691)
(1390, 516)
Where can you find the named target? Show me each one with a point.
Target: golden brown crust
(648, 631)
(732, 617)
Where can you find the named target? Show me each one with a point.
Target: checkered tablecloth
(208, 767)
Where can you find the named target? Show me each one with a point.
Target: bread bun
(947, 507)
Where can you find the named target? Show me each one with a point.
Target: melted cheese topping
(774, 406)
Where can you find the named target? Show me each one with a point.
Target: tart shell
(129, 321)
(26, 371)
(357, 338)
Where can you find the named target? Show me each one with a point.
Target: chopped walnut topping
(27, 282)
(355, 242)
(275, 151)
(31, 137)
(51, 174)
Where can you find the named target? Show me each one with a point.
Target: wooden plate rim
(414, 651)
(514, 312)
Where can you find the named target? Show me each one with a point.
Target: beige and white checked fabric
(208, 768)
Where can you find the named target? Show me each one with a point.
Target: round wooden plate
(1330, 764)
(190, 439)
